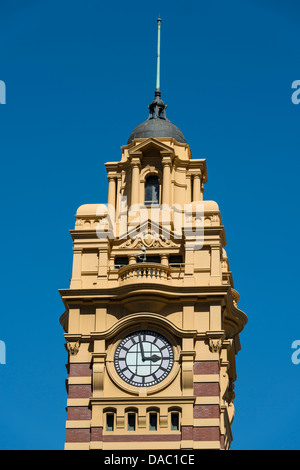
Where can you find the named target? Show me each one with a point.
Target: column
(74, 320)
(188, 198)
(187, 357)
(189, 278)
(100, 320)
(111, 200)
(102, 264)
(118, 194)
(215, 265)
(135, 181)
(76, 272)
(215, 323)
(166, 162)
(188, 316)
(197, 187)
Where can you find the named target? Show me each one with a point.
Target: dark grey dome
(156, 127)
(157, 124)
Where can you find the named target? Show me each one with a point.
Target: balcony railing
(145, 272)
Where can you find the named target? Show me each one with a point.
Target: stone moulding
(147, 318)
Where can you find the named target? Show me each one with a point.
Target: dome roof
(156, 127)
(157, 124)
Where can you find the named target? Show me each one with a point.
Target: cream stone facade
(181, 291)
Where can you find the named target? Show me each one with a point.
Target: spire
(157, 125)
(157, 109)
(158, 55)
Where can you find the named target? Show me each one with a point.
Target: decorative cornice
(138, 400)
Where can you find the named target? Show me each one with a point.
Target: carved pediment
(150, 235)
(149, 242)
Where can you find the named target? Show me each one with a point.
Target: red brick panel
(200, 433)
(206, 411)
(206, 389)
(187, 433)
(206, 433)
(80, 370)
(79, 412)
(80, 391)
(78, 435)
(206, 367)
(96, 434)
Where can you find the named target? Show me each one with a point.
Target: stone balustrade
(144, 272)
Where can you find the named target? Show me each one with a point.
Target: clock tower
(151, 318)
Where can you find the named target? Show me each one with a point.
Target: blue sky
(79, 76)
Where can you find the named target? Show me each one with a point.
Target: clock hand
(153, 358)
(142, 348)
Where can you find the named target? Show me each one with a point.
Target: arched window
(131, 421)
(174, 421)
(110, 421)
(132, 414)
(175, 418)
(152, 190)
(153, 421)
(110, 418)
(153, 418)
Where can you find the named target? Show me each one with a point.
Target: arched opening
(151, 190)
(153, 418)
(131, 418)
(174, 421)
(110, 418)
(175, 418)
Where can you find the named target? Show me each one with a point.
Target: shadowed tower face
(151, 318)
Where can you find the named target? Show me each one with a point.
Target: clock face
(144, 358)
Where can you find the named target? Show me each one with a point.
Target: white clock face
(144, 358)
